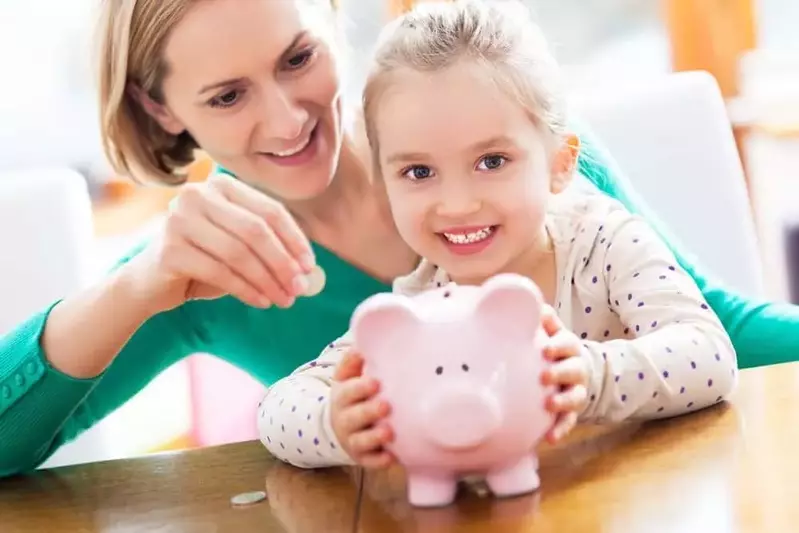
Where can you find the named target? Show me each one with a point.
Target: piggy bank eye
(440, 370)
(465, 367)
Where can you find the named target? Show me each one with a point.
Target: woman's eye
(418, 172)
(226, 100)
(300, 59)
(492, 162)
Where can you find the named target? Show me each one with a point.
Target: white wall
(47, 107)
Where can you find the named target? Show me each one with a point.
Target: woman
(256, 85)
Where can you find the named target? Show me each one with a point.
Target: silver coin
(316, 281)
(248, 498)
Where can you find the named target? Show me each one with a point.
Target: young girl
(466, 125)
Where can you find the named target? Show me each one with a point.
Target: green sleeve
(41, 408)
(762, 333)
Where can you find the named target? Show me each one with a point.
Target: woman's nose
(283, 116)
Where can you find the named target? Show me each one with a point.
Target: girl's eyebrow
(406, 157)
(492, 142)
(485, 144)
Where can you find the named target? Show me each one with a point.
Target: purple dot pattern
(651, 335)
(653, 346)
(291, 419)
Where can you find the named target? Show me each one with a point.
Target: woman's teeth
(297, 149)
(469, 238)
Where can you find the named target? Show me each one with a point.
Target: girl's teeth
(469, 238)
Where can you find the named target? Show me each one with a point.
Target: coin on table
(316, 281)
(248, 498)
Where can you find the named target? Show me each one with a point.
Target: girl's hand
(357, 415)
(568, 373)
(223, 237)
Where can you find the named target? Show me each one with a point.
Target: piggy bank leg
(431, 490)
(517, 478)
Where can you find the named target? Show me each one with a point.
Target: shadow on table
(588, 458)
(325, 501)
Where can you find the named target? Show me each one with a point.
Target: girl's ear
(564, 163)
(159, 112)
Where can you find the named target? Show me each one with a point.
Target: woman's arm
(62, 370)
(678, 358)
(762, 333)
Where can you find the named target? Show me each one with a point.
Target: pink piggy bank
(461, 368)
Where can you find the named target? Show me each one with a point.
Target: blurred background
(48, 127)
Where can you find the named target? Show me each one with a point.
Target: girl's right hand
(357, 415)
(224, 237)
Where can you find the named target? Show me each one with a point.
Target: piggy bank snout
(460, 416)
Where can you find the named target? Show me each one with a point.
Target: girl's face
(467, 172)
(256, 85)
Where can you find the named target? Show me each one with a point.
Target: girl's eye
(492, 162)
(418, 172)
(300, 59)
(227, 99)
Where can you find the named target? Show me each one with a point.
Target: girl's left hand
(568, 373)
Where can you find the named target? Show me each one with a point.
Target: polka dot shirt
(653, 346)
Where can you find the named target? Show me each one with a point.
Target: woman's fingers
(236, 255)
(274, 214)
(214, 278)
(260, 239)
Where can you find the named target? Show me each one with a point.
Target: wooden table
(733, 468)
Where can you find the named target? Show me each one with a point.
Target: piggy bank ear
(510, 305)
(380, 321)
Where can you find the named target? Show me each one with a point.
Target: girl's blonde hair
(500, 35)
(131, 38)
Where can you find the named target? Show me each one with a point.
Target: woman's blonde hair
(131, 38)
(497, 34)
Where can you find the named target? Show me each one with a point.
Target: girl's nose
(457, 202)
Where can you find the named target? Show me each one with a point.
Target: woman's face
(255, 83)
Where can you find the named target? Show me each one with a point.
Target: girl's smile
(467, 170)
(469, 240)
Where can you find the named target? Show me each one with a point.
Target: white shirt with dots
(653, 346)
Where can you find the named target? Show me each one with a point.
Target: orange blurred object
(711, 36)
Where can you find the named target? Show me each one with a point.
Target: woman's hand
(224, 237)
(568, 373)
(357, 416)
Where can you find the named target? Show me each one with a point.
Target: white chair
(673, 140)
(46, 240)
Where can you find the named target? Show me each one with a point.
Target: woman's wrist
(135, 284)
(84, 333)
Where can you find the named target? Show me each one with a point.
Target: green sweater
(41, 409)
